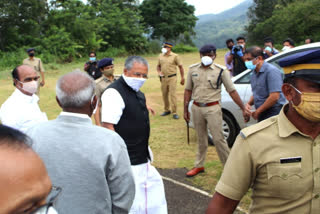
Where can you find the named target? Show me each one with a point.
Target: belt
(171, 75)
(206, 104)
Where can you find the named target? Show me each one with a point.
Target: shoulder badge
(246, 132)
(194, 65)
(220, 66)
(98, 80)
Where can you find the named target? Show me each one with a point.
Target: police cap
(105, 62)
(30, 49)
(305, 65)
(208, 48)
(167, 45)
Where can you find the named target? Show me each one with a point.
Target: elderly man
(24, 181)
(90, 163)
(279, 158)
(124, 110)
(35, 63)
(266, 81)
(21, 110)
(167, 70)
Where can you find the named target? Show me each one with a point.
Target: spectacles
(48, 207)
(145, 76)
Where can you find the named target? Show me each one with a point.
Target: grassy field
(168, 138)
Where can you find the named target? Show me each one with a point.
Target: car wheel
(229, 129)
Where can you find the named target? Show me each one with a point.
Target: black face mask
(31, 54)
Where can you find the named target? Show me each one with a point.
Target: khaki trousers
(168, 88)
(205, 118)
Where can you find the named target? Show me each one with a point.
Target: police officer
(279, 157)
(167, 70)
(35, 63)
(204, 87)
(91, 67)
(106, 67)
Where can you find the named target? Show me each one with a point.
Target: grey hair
(75, 89)
(132, 59)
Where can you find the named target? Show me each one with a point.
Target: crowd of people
(69, 165)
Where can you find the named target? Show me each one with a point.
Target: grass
(168, 138)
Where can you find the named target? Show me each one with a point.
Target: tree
(168, 18)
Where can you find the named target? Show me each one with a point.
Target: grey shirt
(267, 80)
(90, 163)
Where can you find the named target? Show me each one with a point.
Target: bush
(112, 52)
(181, 48)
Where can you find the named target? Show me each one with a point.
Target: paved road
(180, 199)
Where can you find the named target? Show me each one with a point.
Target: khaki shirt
(277, 186)
(101, 84)
(169, 63)
(36, 63)
(203, 82)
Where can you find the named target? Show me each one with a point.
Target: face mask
(164, 50)
(242, 46)
(108, 72)
(95, 109)
(31, 54)
(30, 87)
(268, 49)
(285, 48)
(206, 60)
(134, 82)
(309, 107)
(250, 65)
(92, 59)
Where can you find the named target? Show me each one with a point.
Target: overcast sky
(212, 6)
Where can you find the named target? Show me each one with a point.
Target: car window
(245, 79)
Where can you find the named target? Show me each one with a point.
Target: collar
(210, 67)
(286, 128)
(30, 99)
(71, 114)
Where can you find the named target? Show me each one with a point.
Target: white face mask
(30, 87)
(206, 60)
(242, 45)
(164, 50)
(134, 82)
(285, 48)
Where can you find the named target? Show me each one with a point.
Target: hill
(216, 28)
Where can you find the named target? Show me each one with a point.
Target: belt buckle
(202, 104)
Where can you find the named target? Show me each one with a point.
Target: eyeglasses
(137, 74)
(48, 207)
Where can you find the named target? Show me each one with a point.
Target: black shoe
(175, 116)
(165, 113)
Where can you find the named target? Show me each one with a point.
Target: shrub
(181, 48)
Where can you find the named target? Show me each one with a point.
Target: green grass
(168, 138)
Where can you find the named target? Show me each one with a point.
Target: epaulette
(220, 66)
(194, 65)
(246, 132)
(98, 80)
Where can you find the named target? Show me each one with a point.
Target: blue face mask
(250, 65)
(92, 59)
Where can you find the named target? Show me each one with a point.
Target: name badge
(194, 75)
(291, 160)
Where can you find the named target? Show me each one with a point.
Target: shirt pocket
(211, 81)
(195, 79)
(285, 180)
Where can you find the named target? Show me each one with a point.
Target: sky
(212, 6)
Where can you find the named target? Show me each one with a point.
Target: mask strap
(296, 89)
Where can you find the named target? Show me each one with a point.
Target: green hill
(216, 28)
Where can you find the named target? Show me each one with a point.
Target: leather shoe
(165, 113)
(175, 116)
(195, 171)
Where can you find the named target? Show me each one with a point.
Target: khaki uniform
(279, 163)
(168, 64)
(36, 63)
(205, 84)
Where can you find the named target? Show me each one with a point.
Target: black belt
(172, 75)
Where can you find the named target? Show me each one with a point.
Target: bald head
(75, 90)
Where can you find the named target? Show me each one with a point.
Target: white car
(232, 115)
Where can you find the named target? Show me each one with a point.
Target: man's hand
(182, 81)
(256, 114)
(186, 116)
(150, 109)
(42, 83)
(161, 74)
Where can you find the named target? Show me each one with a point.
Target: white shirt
(21, 111)
(112, 106)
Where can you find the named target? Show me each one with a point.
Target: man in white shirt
(21, 110)
(124, 110)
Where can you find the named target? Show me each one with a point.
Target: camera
(237, 48)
